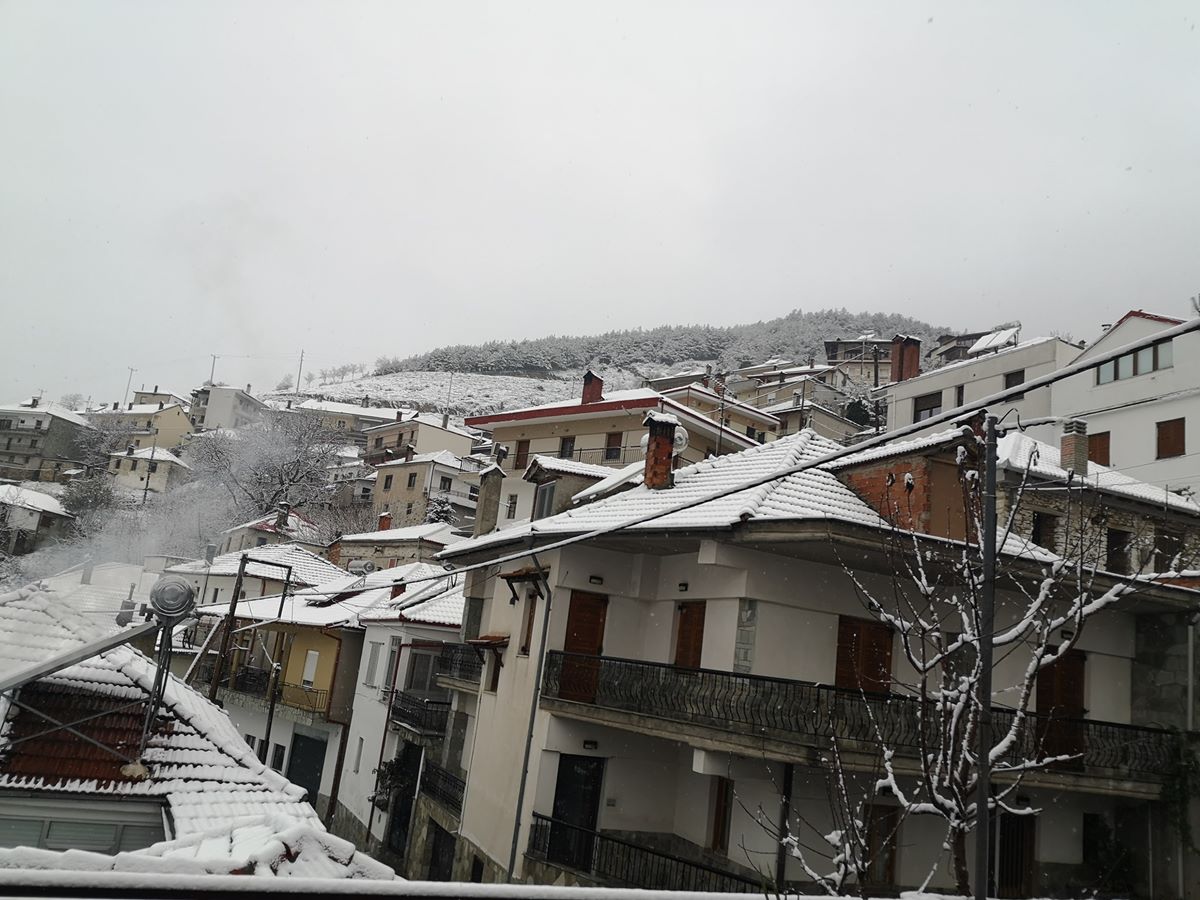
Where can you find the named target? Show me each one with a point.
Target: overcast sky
(249, 178)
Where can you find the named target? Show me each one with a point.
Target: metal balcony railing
(598, 456)
(301, 697)
(424, 715)
(789, 709)
(460, 662)
(444, 788)
(256, 682)
(624, 863)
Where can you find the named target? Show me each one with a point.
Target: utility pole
(128, 381)
(213, 369)
(299, 370)
(219, 666)
(151, 464)
(983, 790)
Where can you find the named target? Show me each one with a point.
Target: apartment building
(39, 441)
(389, 547)
(602, 428)
(407, 487)
(220, 406)
(682, 673)
(423, 433)
(349, 419)
(145, 424)
(149, 469)
(1138, 408)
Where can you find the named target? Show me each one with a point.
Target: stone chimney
(129, 450)
(160, 404)
(660, 449)
(385, 520)
(116, 406)
(33, 402)
(409, 452)
(487, 504)
(1073, 446)
(281, 516)
(445, 420)
(156, 389)
(593, 387)
(906, 357)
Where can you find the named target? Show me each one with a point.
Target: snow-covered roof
(726, 401)
(439, 602)
(156, 454)
(58, 411)
(228, 810)
(12, 495)
(298, 527)
(307, 568)
(904, 448)
(437, 532)
(350, 409)
(135, 409)
(440, 457)
(976, 360)
(617, 478)
(815, 494)
(566, 467)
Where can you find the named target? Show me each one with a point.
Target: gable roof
(439, 602)
(156, 454)
(12, 495)
(438, 457)
(728, 402)
(298, 527)
(307, 568)
(560, 466)
(1165, 321)
(435, 532)
(57, 411)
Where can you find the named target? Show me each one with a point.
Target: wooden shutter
(864, 656)
(689, 640)
(1170, 438)
(1098, 448)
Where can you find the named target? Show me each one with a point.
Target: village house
(863, 361)
(389, 547)
(145, 424)
(1137, 407)
(349, 419)
(29, 519)
(145, 397)
(601, 428)
(220, 406)
(69, 801)
(284, 526)
(149, 469)
(407, 487)
(423, 433)
(39, 441)
(272, 568)
(684, 665)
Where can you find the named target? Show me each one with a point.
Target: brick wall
(894, 503)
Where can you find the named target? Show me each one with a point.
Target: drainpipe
(785, 815)
(533, 705)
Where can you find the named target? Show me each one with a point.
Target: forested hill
(797, 336)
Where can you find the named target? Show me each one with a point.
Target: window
(521, 460)
(1140, 362)
(527, 629)
(566, 447)
(387, 482)
(927, 406)
(1012, 379)
(543, 500)
(311, 658)
(153, 467)
(358, 755)
(1170, 438)
(473, 491)
(408, 509)
(510, 508)
(373, 663)
(1098, 448)
(277, 752)
(249, 740)
(215, 591)
(960, 395)
(389, 675)
(444, 484)
(133, 465)
(1045, 530)
(116, 465)
(721, 807)
(421, 671)
(612, 445)
(1117, 557)
(33, 444)
(750, 431)
(412, 480)
(1167, 547)
(864, 655)
(378, 442)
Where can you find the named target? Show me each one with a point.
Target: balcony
(616, 457)
(254, 682)
(620, 862)
(418, 713)
(801, 712)
(460, 662)
(443, 788)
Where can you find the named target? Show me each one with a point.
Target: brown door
(584, 639)
(864, 655)
(1016, 863)
(1060, 693)
(689, 640)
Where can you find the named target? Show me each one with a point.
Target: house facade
(39, 441)
(406, 487)
(146, 424)
(149, 469)
(284, 526)
(423, 433)
(346, 418)
(220, 406)
(29, 519)
(390, 547)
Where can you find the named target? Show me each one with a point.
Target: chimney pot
(156, 389)
(445, 420)
(660, 450)
(160, 404)
(130, 405)
(115, 406)
(281, 517)
(1073, 447)
(385, 520)
(593, 387)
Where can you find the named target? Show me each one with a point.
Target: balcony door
(1015, 863)
(306, 763)
(689, 635)
(1060, 696)
(576, 810)
(584, 638)
(864, 655)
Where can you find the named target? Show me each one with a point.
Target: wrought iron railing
(425, 715)
(250, 680)
(460, 662)
(788, 709)
(598, 456)
(301, 697)
(623, 862)
(442, 786)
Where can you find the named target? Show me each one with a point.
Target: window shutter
(1170, 438)
(1098, 448)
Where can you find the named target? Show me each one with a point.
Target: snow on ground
(471, 393)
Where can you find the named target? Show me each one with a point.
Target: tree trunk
(962, 875)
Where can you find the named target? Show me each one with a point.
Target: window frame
(920, 412)
(1166, 438)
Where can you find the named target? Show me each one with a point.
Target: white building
(220, 406)
(151, 468)
(29, 518)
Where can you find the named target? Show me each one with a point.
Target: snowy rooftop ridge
(566, 467)
(155, 454)
(307, 568)
(439, 532)
(12, 495)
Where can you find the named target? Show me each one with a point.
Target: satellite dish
(678, 445)
(361, 567)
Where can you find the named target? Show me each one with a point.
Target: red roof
(574, 408)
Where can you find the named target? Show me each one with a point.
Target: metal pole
(299, 369)
(785, 816)
(219, 665)
(128, 382)
(986, 626)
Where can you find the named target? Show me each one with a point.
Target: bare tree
(308, 378)
(283, 459)
(285, 383)
(73, 400)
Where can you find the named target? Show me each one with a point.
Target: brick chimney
(334, 553)
(281, 517)
(1073, 446)
(906, 357)
(593, 387)
(398, 589)
(385, 520)
(487, 504)
(409, 452)
(660, 450)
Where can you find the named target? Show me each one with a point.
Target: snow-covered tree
(285, 383)
(308, 378)
(439, 509)
(73, 400)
